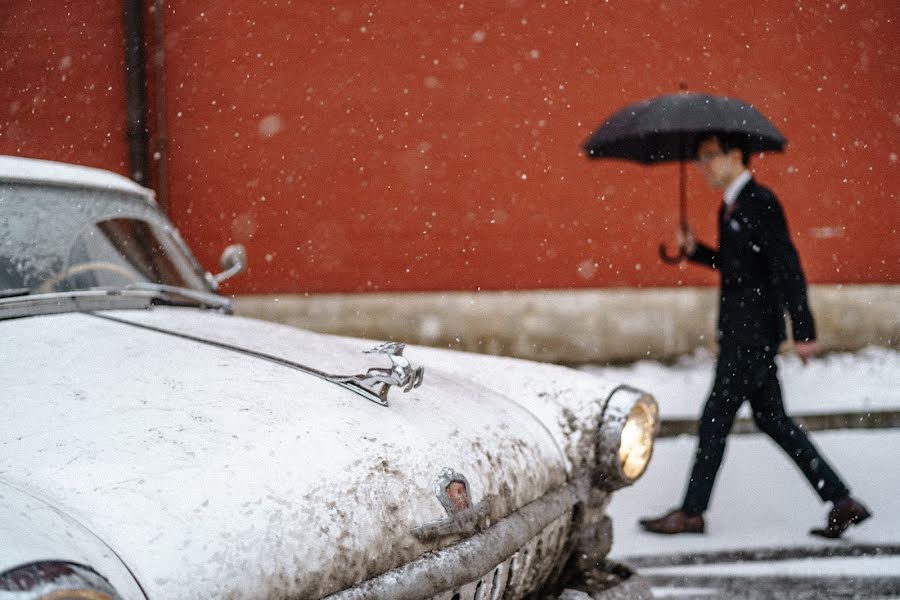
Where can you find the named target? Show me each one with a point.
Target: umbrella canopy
(666, 128)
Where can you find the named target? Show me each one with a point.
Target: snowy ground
(841, 382)
(762, 507)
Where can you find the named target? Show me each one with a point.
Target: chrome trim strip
(350, 385)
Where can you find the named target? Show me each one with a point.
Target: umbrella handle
(671, 260)
(682, 213)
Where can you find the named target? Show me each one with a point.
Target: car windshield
(67, 239)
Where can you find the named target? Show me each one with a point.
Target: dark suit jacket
(760, 273)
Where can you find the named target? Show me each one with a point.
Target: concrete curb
(760, 555)
(674, 576)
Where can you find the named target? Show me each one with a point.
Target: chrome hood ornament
(378, 380)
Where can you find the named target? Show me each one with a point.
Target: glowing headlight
(638, 433)
(629, 427)
(55, 581)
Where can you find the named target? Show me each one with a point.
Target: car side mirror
(233, 262)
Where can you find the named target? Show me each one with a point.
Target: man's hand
(686, 240)
(806, 350)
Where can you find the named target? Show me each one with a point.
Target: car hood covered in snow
(212, 473)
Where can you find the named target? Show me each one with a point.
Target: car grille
(509, 560)
(521, 573)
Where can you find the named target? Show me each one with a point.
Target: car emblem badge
(378, 381)
(463, 517)
(453, 492)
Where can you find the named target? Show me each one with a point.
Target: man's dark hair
(728, 142)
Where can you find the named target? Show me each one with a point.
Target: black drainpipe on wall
(136, 105)
(161, 155)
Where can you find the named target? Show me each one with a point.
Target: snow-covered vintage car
(153, 445)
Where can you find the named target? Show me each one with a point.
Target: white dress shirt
(735, 187)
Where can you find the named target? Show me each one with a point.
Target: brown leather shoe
(676, 521)
(846, 512)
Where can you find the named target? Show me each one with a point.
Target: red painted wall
(424, 145)
(62, 81)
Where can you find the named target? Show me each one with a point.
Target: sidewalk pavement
(762, 508)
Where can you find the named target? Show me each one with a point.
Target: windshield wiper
(13, 292)
(17, 302)
(171, 294)
(30, 305)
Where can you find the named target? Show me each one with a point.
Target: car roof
(16, 168)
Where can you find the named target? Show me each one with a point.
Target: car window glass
(66, 239)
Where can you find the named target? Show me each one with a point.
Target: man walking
(760, 278)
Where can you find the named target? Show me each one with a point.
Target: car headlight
(628, 428)
(55, 581)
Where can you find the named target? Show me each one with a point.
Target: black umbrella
(667, 128)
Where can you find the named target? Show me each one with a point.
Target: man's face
(718, 168)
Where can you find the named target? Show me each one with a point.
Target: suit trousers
(749, 374)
